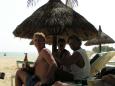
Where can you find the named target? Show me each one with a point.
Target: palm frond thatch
(55, 19)
(101, 38)
(71, 3)
(31, 2)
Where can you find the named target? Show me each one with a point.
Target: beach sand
(8, 65)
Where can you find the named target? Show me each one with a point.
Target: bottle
(25, 64)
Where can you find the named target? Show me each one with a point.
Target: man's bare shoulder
(46, 51)
(47, 55)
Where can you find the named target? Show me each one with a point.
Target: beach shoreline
(9, 67)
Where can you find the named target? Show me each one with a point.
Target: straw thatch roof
(55, 18)
(101, 38)
(104, 39)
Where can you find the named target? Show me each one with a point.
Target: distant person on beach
(44, 67)
(78, 61)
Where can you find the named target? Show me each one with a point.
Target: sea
(16, 54)
(19, 55)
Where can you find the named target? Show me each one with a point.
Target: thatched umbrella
(55, 20)
(102, 38)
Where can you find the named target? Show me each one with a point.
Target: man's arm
(47, 55)
(75, 58)
(59, 56)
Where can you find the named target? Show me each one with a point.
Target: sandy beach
(8, 65)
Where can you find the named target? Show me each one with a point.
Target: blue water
(16, 54)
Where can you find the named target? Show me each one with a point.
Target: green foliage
(103, 49)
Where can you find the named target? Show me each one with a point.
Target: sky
(13, 12)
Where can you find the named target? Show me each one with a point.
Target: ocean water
(20, 55)
(16, 54)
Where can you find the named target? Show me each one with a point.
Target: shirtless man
(45, 64)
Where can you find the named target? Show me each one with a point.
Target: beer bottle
(25, 64)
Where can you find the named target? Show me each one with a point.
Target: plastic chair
(19, 65)
(101, 61)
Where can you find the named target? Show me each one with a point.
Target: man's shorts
(32, 80)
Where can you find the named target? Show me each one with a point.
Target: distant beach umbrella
(102, 38)
(55, 20)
